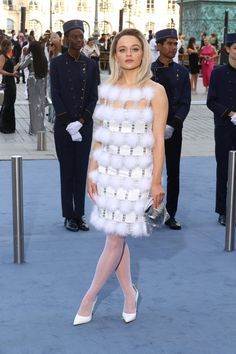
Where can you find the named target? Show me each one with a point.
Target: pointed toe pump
(79, 320)
(129, 317)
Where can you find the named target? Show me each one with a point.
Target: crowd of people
(140, 116)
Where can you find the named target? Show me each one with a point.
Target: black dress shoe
(71, 224)
(222, 220)
(81, 223)
(173, 224)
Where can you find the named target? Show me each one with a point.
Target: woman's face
(9, 48)
(129, 52)
(206, 41)
(91, 43)
(232, 51)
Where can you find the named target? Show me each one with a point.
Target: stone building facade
(41, 15)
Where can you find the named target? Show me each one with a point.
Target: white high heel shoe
(129, 317)
(84, 319)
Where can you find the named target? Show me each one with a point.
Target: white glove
(76, 137)
(168, 132)
(74, 127)
(233, 119)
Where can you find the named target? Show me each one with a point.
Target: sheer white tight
(115, 257)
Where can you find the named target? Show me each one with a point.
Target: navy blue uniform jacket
(221, 97)
(175, 79)
(73, 87)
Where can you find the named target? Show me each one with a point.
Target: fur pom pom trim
(116, 182)
(117, 228)
(124, 206)
(119, 162)
(114, 93)
(106, 137)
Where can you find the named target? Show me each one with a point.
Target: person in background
(54, 46)
(126, 164)
(203, 36)
(175, 78)
(214, 40)
(54, 50)
(37, 64)
(74, 96)
(92, 51)
(153, 47)
(9, 73)
(192, 51)
(207, 55)
(221, 100)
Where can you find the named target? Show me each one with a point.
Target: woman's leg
(195, 81)
(192, 82)
(106, 265)
(123, 274)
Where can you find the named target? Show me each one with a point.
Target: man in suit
(74, 96)
(175, 78)
(221, 100)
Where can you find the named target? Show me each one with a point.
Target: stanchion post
(17, 207)
(41, 141)
(231, 203)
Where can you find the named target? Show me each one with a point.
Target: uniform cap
(166, 33)
(230, 38)
(73, 24)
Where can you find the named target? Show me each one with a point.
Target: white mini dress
(124, 160)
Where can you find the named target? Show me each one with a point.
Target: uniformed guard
(221, 100)
(175, 78)
(74, 96)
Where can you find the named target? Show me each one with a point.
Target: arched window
(58, 26)
(82, 6)
(150, 6)
(104, 27)
(150, 26)
(8, 4)
(86, 30)
(33, 5)
(59, 6)
(36, 26)
(104, 5)
(129, 24)
(10, 25)
(171, 6)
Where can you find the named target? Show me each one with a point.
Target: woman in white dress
(126, 164)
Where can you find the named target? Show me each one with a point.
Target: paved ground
(186, 280)
(198, 131)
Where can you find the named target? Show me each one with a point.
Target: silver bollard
(231, 203)
(17, 204)
(41, 141)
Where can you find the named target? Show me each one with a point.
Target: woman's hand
(92, 189)
(157, 193)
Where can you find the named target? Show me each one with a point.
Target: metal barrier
(17, 207)
(231, 203)
(41, 141)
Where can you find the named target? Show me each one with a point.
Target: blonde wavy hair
(144, 72)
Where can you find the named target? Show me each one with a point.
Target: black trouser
(73, 158)
(7, 114)
(225, 140)
(173, 153)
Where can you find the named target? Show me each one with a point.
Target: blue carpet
(186, 280)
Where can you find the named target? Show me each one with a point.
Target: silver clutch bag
(155, 217)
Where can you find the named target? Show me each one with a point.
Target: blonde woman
(126, 164)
